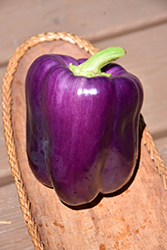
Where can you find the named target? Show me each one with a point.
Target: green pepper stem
(92, 67)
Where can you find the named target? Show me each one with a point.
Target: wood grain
(161, 144)
(93, 20)
(14, 235)
(5, 174)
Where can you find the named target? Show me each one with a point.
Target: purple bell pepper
(82, 124)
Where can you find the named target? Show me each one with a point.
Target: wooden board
(13, 233)
(161, 144)
(94, 20)
(120, 222)
(5, 174)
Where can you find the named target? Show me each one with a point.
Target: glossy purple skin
(82, 133)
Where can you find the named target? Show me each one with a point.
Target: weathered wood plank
(4, 165)
(161, 145)
(14, 235)
(145, 58)
(92, 19)
(5, 174)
